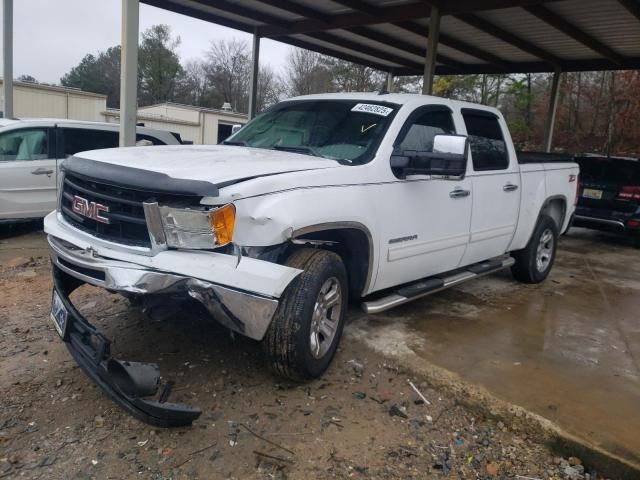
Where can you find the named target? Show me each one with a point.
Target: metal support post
(7, 62)
(255, 68)
(432, 51)
(551, 114)
(129, 72)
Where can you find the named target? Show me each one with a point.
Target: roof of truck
(397, 98)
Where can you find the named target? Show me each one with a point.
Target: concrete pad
(567, 349)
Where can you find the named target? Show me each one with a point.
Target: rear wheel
(306, 329)
(534, 262)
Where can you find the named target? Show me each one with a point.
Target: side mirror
(451, 144)
(448, 158)
(235, 128)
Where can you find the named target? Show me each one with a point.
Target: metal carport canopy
(475, 36)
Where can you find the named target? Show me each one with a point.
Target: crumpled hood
(216, 164)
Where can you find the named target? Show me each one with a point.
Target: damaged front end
(134, 386)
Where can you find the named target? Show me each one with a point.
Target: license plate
(59, 314)
(592, 193)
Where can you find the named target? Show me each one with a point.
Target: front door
(424, 221)
(496, 186)
(27, 173)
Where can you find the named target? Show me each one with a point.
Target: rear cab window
(486, 140)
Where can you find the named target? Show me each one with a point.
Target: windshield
(347, 131)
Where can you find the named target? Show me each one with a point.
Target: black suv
(609, 195)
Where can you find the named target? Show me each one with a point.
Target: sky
(52, 36)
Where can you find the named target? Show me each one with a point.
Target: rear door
(27, 173)
(496, 186)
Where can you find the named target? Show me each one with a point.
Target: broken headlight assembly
(191, 228)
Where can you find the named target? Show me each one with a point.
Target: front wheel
(534, 262)
(306, 329)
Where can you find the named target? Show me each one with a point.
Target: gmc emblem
(88, 209)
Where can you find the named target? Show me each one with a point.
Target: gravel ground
(361, 420)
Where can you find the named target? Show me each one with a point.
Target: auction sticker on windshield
(371, 108)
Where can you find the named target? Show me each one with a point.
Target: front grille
(127, 224)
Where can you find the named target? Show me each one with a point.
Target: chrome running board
(431, 285)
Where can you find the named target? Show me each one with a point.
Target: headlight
(198, 229)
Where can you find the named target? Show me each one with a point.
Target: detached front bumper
(129, 384)
(132, 385)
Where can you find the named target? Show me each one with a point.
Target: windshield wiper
(239, 143)
(297, 149)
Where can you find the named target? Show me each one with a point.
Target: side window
(148, 138)
(418, 133)
(24, 144)
(488, 148)
(81, 139)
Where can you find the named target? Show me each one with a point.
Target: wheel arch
(556, 207)
(352, 241)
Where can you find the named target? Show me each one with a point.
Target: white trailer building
(196, 124)
(36, 100)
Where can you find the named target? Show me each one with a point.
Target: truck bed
(543, 157)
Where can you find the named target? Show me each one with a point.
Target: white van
(32, 150)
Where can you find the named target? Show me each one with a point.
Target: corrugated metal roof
(476, 36)
(531, 29)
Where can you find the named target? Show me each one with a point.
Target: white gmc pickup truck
(379, 198)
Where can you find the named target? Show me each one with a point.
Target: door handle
(41, 171)
(459, 193)
(510, 187)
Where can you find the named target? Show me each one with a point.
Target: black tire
(287, 343)
(527, 269)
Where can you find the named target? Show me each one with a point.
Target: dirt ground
(360, 420)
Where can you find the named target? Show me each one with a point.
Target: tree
(159, 65)
(27, 78)
(458, 87)
(306, 72)
(520, 97)
(193, 85)
(351, 77)
(227, 75)
(97, 74)
(407, 84)
(228, 68)
(270, 89)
